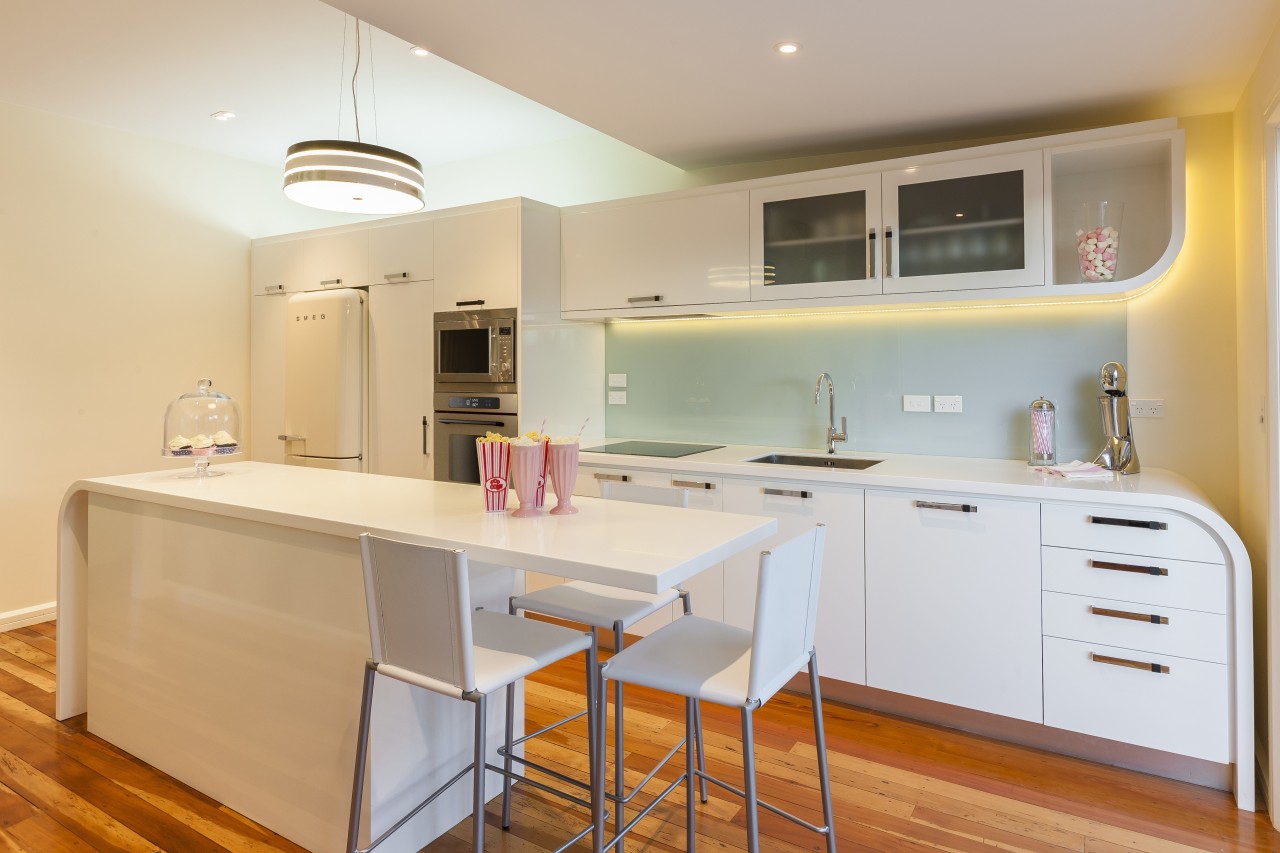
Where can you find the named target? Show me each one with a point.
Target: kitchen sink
(817, 461)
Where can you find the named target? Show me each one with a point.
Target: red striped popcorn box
(494, 456)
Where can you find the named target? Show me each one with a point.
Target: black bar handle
(1128, 522)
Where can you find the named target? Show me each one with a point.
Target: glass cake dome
(202, 424)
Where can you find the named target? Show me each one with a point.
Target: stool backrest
(641, 494)
(419, 605)
(786, 612)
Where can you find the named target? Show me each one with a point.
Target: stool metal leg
(690, 712)
(619, 782)
(687, 603)
(596, 723)
(506, 761)
(477, 796)
(362, 754)
(749, 779)
(820, 740)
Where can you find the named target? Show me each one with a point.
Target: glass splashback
(816, 239)
(961, 225)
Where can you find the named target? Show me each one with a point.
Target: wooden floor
(898, 786)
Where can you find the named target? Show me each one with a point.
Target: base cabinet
(953, 600)
(840, 634)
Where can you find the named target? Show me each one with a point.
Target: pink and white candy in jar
(1098, 240)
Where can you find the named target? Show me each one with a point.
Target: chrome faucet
(832, 435)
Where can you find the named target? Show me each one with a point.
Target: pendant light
(353, 177)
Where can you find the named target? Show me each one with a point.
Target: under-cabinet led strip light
(895, 310)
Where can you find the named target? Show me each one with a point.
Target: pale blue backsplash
(750, 381)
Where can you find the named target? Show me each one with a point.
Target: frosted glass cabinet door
(816, 239)
(967, 225)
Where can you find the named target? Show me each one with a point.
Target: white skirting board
(28, 616)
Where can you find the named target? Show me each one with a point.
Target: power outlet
(954, 405)
(617, 398)
(617, 380)
(916, 403)
(1146, 408)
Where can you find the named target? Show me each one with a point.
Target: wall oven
(476, 347)
(462, 416)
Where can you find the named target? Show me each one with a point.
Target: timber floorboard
(897, 785)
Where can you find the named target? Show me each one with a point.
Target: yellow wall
(1256, 322)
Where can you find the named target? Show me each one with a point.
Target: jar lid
(1041, 405)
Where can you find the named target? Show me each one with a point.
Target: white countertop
(636, 546)
(1154, 487)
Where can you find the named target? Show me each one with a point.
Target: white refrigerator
(326, 380)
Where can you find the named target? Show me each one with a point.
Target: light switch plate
(617, 380)
(617, 398)
(916, 403)
(953, 404)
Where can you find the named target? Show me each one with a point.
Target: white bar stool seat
(423, 632)
(595, 604)
(703, 660)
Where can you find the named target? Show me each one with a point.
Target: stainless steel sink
(817, 461)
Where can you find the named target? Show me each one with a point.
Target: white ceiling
(694, 82)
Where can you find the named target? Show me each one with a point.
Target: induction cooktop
(668, 449)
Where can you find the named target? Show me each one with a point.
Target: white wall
(124, 272)
(1255, 323)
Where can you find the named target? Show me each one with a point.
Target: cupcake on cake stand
(202, 424)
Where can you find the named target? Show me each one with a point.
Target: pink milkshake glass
(564, 474)
(526, 475)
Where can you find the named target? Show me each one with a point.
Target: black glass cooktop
(669, 449)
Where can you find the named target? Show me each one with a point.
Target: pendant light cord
(355, 100)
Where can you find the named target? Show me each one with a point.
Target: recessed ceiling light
(222, 115)
(419, 51)
(787, 47)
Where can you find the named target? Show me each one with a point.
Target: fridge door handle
(292, 437)
(425, 424)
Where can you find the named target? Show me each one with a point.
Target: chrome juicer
(1118, 451)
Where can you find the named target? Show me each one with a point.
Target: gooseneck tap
(832, 435)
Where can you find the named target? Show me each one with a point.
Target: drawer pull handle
(634, 299)
(693, 484)
(952, 507)
(1153, 618)
(330, 281)
(871, 254)
(392, 276)
(1132, 664)
(469, 302)
(1128, 522)
(614, 478)
(1125, 567)
(426, 451)
(787, 493)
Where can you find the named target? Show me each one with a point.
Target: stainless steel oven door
(475, 347)
(455, 442)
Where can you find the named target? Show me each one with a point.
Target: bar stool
(610, 609)
(709, 661)
(423, 632)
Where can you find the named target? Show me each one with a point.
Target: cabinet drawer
(1127, 531)
(1145, 627)
(1152, 580)
(1183, 710)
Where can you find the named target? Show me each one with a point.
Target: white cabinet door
(706, 589)
(840, 635)
(400, 380)
(953, 601)
(686, 251)
(966, 225)
(816, 239)
(335, 260)
(268, 319)
(477, 260)
(276, 267)
(400, 253)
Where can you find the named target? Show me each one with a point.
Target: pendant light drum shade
(352, 177)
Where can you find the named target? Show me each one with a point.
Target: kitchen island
(216, 627)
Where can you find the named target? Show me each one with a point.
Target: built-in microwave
(476, 347)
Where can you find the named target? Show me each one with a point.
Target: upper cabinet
(400, 253)
(816, 239)
(1016, 220)
(477, 260)
(658, 252)
(333, 259)
(970, 225)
